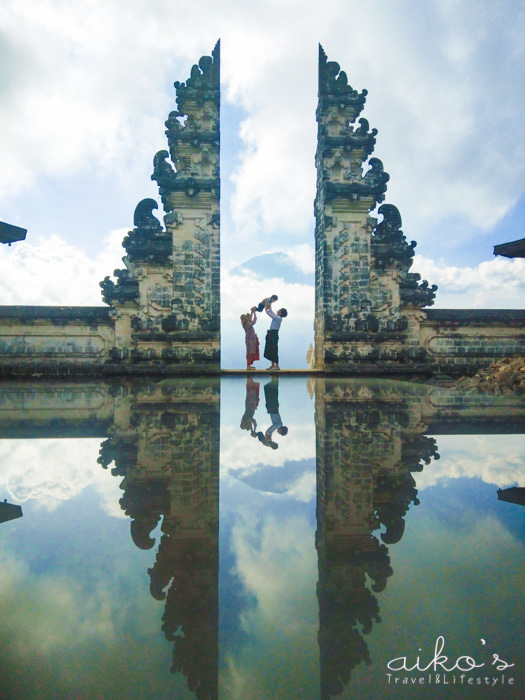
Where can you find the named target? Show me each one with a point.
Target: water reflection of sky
(78, 619)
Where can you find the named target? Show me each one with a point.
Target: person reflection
(271, 393)
(248, 422)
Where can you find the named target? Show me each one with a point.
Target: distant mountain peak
(274, 266)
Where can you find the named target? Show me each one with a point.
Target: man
(271, 347)
(271, 393)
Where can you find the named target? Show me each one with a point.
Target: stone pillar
(166, 303)
(367, 311)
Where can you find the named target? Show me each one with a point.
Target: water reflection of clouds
(277, 566)
(63, 616)
(51, 471)
(457, 572)
(495, 459)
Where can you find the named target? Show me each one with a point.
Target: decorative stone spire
(166, 303)
(193, 137)
(342, 148)
(367, 301)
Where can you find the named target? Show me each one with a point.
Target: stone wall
(59, 340)
(458, 340)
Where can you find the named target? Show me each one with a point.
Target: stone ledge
(87, 314)
(170, 336)
(475, 316)
(364, 336)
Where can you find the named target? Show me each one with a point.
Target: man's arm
(271, 313)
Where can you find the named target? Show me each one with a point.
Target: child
(262, 304)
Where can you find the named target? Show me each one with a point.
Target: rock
(504, 377)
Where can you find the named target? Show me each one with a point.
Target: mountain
(274, 265)
(277, 480)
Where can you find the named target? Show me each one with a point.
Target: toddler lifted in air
(260, 306)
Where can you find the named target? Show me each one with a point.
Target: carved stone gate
(163, 311)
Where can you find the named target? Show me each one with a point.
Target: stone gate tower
(166, 303)
(162, 314)
(368, 305)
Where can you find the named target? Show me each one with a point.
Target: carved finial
(388, 242)
(204, 75)
(376, 179)
(148, 242)
(163, 172)
(333, 83)
(143, 217)
(391, 219)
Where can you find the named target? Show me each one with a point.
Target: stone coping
(56, 313)
(472, 316)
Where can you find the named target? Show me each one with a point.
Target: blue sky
(85, 89)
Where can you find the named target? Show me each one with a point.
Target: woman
(252, 341)
(248, 422)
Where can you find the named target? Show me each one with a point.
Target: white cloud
(496, 459)
(240, 292)
(277, 567)
(303, 256)
(53, 272)
(498, 283)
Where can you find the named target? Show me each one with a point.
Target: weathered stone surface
(369, 312)
(166, 304)
(367, 301)
(459, 341)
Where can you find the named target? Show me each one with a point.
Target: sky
(85, 89)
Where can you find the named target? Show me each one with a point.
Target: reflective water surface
(255, 538)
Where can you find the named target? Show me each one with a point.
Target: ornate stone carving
(163, 172)
(365, 296)
(355, 186)
(388, 241)
(416, 293)
(168, 453)
(368, 445)
(148, 242)
(193, 135)
(170, 288)
(334, 87)
(342, 148)
(126, 288)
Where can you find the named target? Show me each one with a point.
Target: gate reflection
(162, 440)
